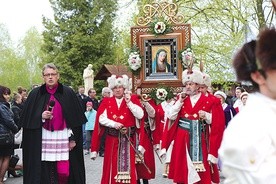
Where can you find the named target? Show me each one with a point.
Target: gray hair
(106, 89)
(49, 65)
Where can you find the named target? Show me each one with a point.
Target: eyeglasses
(50, 74)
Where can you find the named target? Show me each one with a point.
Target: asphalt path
(94, 172)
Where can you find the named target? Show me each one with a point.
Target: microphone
(51, 105)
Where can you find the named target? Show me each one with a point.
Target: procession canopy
(157, 43)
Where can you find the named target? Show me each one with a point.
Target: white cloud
(21, 15)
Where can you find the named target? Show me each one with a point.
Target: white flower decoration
(188, 57)
(159, 27)
(134, 61)
(161, 94)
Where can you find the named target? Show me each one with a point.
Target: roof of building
(108, 70)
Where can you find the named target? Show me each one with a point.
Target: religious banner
(158, 38)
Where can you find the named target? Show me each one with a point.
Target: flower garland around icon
(187, 57)
(134, 60)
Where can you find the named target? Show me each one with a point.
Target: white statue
(88, 77)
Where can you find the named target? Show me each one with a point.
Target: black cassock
(34, 171)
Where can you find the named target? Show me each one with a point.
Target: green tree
(13, 69)
(219, 28)
(122, 26)
(30, 52)
(20, 65)
(81, 34)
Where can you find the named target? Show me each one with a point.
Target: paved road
(94, 172)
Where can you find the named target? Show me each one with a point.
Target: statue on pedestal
(88, 77)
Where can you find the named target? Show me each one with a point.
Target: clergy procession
(164, 118)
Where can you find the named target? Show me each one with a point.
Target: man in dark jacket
(82, 97)
(92, 98)
(52, 121)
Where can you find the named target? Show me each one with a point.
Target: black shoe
(13, 173)
(101, 154)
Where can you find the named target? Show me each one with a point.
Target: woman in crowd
(90, 114)
(16, 107)
(244, 97)
(24, 93)
(238, 103)
(229, 111)
(7, 125)
(248, 150)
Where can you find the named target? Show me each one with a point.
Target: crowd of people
(121, 127)
(198, 135)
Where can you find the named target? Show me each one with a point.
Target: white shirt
(248, 149)
(166, 108)
(135, 109)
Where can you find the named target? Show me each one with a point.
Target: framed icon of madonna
(160, 56)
